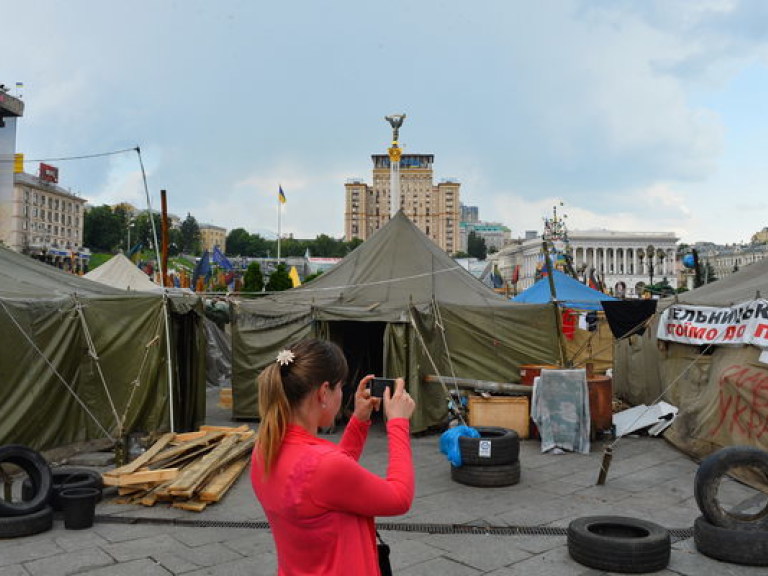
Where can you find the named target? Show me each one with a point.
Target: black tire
(496, 446)
(39, 474)
(746, 547)
(619, 544)
(487, 476)
(26, 524)
(707, 484)
(65, 478)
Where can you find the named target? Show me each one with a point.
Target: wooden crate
(511, 412)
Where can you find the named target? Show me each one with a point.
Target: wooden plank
(217, 486)
(226, 429)
(181, 448)
(191, 505)
(141, 477)
(196, 473)
(187, 436)
(142, 460)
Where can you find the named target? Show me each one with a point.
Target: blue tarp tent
(570, 293)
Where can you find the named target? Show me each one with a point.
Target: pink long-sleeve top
(320, 502)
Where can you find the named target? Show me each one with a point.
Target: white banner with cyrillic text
(745, 323)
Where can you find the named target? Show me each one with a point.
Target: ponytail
(274, 411)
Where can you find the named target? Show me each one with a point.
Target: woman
(319, 501)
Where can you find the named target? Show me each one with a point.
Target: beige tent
(721, 390)
(399, 306)
(120, 272)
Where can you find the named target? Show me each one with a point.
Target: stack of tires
(491, 460)
(729, 535)
(19, 517)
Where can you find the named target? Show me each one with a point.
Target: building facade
(11, 108)
(433, 208)
(495, 235)
(619, 260)
(47, 222)
(211, 236)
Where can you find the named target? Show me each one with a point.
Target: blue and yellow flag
(281, 195)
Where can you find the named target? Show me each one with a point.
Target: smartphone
(377, 386)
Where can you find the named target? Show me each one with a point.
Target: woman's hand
(364, 403)
(398, 404)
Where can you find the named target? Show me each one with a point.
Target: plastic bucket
(79, 507)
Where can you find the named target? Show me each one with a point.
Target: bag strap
(379, 538)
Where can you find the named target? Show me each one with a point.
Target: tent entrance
(363, 346)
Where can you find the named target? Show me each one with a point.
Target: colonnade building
(620, 260)
(433, 208)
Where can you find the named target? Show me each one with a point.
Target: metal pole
(555, 305)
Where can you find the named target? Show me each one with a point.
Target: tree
(279, 280)
(253, 279)
(237, 242)
(102, 229)
(143, 230)
(476, 246)
(190, 235)
(352, 244)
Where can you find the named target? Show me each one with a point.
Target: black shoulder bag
(383, 551)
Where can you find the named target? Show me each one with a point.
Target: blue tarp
(570, 293)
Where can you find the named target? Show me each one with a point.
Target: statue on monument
(395, 120)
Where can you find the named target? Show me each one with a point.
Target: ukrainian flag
(281, 195)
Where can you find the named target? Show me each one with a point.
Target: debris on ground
(188, 471)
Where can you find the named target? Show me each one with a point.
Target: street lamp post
(652, 254)
(130, 225)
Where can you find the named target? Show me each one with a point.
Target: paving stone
(441, 566)
(26, 550)
(145, 548)
(144, 567)
(482, 552)
(13, 570)
(70, 563)
(260, 565)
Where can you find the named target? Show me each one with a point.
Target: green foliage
(313, 276)
(476, 246)
(142, 230)
(190, 236)
(237, 242)
(103, 229)
(253, 279)
(279, 280)
(460, 254)
(97, 259)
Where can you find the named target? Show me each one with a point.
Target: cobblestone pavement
(647, 479)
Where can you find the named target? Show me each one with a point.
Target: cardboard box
(511, 412)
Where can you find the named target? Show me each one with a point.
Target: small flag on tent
(516, 274)
(135, 253)
(281, 195)
(294, 276)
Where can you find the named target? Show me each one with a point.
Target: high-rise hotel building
(434, 208)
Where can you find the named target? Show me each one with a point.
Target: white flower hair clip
(285, 357)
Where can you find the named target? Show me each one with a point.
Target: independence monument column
(395, 120)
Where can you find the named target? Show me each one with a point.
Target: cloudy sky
(637, 115)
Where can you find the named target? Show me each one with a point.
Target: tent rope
(434, 366)
(79, 307)
(56, 372)
(136, 382)
(441, 325)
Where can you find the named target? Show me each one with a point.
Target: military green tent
(720, 389)
(83, 361)
(398, 306)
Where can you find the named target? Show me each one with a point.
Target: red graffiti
(743, 402)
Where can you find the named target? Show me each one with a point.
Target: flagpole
(279, 212)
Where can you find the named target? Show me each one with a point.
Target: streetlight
(131, 224)
(650, 255)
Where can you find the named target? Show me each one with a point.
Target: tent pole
(170, 363)
(555, 306)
